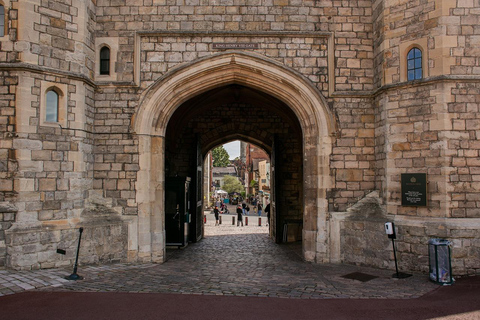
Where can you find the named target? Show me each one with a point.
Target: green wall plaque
(414, 189)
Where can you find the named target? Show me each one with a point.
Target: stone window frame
(112, 45)
(5, 4)
(405, 48)
(61, 91)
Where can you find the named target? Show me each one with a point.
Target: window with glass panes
(2, 20)
(105, 60)
(414, 64)
(51, 114)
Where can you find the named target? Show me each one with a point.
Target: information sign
(235, 46)
(414, 189)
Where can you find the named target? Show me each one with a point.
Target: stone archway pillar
(317, 181)
(311, 210)
(149, 239)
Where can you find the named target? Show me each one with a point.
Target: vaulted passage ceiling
(229, 113)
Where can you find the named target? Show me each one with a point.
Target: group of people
(241, 211)
(244, 209)
(256, 208)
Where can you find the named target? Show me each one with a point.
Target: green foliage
(220, 157)
(253, 183)
(232, 184)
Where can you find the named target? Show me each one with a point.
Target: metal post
(259, 221)
(74, 275)
(246, 221)
(395, 256)
(398, 275)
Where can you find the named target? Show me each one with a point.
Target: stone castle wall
(47, 169)
(426, 126)
(294, 34)
(86, 170)
(8, 165)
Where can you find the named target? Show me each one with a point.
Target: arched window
(414, 64)
(51, 114)
(105, 61)
(2, 20)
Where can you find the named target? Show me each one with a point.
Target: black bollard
(220, 220)
(246, 221)
(74, 275)
(233, 221)
(259, 221)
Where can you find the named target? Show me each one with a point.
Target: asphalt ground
(460, 301)
(234, 273)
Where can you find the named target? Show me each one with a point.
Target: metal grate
(363, 277)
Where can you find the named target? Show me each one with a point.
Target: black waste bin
(440, 261)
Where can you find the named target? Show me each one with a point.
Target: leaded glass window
(2, 20)
(414, 64)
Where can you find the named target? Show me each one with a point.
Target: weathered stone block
(47, 185)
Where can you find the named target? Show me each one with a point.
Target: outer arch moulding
(160, 100)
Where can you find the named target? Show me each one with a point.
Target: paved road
(234, 273)
(459, 302)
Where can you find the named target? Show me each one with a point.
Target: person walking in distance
(216, 212)
(259, 209)
(239, 215)
(267, 210)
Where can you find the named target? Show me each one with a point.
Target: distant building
(220, 172)
(253, 155)
(264, 181)
(243, 151)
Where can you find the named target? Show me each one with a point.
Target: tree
(232, 184)
(220, 157)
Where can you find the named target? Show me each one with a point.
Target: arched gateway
(253, 73)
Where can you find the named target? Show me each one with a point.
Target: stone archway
(159, 102)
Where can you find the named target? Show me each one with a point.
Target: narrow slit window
(414, 64)
(105, 61)
(51, 114)
(2, 21)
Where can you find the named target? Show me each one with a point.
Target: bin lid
(439, 242)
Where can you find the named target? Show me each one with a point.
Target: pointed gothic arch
(159, 102)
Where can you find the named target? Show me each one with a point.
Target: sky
(233, 149)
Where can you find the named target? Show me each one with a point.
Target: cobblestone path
(231, 262)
